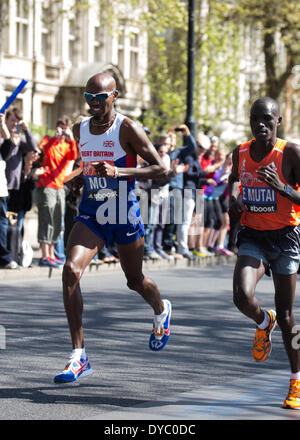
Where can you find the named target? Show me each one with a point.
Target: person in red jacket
(59, 154)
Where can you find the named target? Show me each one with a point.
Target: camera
(178, 129)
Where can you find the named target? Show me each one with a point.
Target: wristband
(116, 172)
(288, 189)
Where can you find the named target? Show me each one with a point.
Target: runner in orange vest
(264, 193)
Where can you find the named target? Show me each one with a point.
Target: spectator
(3, 181)
(3, 194)
(217, 210)
(195, 179)
(145, 186)
(157, 191)
(207, 159)
(214, 144)
(20, 201)
(177, 157)
(213, 216)
(210, 165)
(196, 226)
(60, 153)
(224, 203)
(15, 145)
(161, 208)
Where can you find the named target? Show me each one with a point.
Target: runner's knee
(71, 273)
(241, 298)
(285, 321)
(135, 283)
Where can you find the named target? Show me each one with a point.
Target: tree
(218, 54)
(166, 23)
(216, 64)
(274, 18)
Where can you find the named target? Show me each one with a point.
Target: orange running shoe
(262, 345)
(292, 400)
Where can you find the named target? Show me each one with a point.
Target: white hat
(204, 141)
(214, 139)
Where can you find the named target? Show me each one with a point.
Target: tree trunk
(274, 84)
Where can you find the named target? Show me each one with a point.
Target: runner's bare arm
(234, 178)
(135, 142)
(235, 198)
(290, 170)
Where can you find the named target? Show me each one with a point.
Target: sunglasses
(100, 96)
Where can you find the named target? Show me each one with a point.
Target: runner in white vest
(109, 211)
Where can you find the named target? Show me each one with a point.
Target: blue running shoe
(161, 330)
(74, 369)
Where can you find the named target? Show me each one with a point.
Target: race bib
(98, 188)
(259, 200)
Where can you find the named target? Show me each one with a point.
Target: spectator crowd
(185, 213)
(188, 210)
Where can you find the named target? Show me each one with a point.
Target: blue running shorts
(118, 233)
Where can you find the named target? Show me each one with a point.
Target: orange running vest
(264, 208)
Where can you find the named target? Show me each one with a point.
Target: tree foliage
(274, 18)
(219, 37)
(216, 64)
(218, 54)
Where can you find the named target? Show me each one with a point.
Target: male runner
(263, 189)
(109, 211)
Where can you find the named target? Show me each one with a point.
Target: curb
(35, 271)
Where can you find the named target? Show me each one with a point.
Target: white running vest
(105, 147)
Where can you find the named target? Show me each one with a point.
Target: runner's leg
(248, 271)
(131, 259)
(285, 287)
(82, 246)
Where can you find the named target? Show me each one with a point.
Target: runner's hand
(75, 184)
(269, 175)
(104, 169)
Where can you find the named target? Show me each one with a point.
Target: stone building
(57, 46)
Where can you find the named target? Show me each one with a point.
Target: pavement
(34, 270)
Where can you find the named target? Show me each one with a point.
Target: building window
(72, 41)
(47, 115)
(121, 47)
(22, 26)
(134, 55)
(98, 43)
(46, 33)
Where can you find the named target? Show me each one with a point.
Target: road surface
(205, 372)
